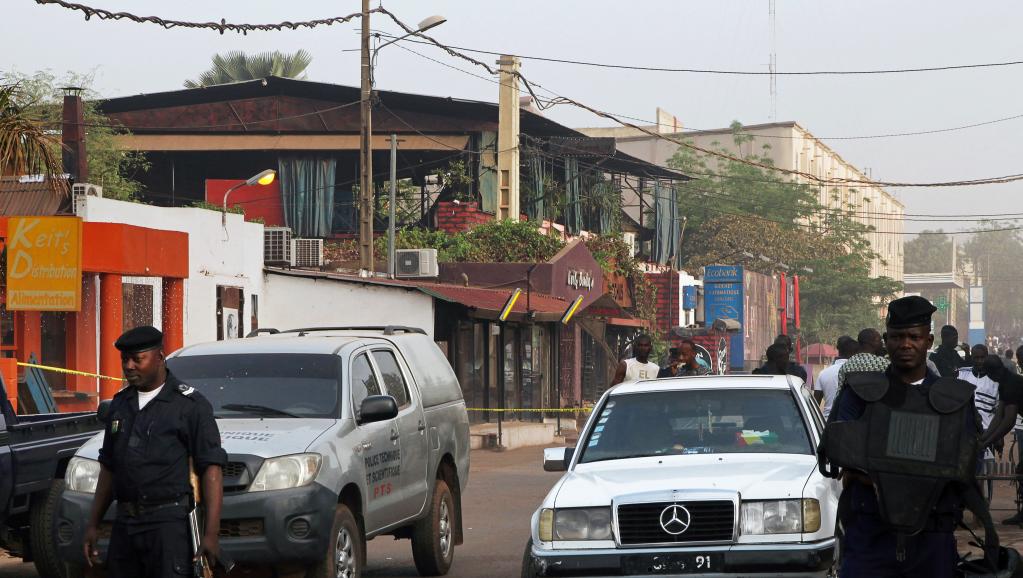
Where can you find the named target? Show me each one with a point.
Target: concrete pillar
(82, 328)
(9, 372)
(173, 315)
(508, 140)
(110, 328)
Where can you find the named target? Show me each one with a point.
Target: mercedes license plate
(688, 563)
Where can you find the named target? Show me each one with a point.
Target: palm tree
(236, 66)
(25, 144)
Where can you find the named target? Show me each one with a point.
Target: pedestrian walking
(869, 357)
(639, 365)
(826, 387)
(777, 361)
(792, 368)
(1009, 362)
(946, 357)
(985, 398)
(899, 517)
(1010, 401)
(156, 427)
(683, 362)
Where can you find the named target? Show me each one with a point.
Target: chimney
(73, 135)
(508, 140)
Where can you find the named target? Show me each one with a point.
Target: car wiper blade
(257, 409)
(625, 457)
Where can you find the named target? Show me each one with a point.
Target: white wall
(292, 302)
(217, 255)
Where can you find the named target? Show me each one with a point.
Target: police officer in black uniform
(155, 426)
(907, 443)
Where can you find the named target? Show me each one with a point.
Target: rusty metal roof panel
(20, 196)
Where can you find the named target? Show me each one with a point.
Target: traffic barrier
(67, 371)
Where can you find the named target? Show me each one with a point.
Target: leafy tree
(744, 214)
(929, 253)
(25, 144)
(236, 66)
(996, 257)
(109, 166)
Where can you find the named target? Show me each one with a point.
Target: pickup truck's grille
(709, 521)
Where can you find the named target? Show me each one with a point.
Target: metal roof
(20, 196)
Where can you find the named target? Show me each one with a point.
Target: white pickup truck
(696, 476)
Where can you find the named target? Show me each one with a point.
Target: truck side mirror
(377, 408)
(557, 459)
(103, 411)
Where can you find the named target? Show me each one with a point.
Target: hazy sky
(129, 58)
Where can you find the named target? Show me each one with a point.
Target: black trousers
(156, 550)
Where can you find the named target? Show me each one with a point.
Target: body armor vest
(912, 441)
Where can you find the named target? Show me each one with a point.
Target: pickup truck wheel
(433, 537)
(346, 552)
(42, 527)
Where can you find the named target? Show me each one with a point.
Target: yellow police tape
(542, 409)
(67, 371)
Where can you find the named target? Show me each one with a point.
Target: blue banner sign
(724, 298)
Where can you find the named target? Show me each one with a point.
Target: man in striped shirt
(985, 397)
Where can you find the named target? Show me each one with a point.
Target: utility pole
(393, 200)
(508, 140)
(366, 153)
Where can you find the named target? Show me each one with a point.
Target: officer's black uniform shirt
(948, 361)
(1010, 390)
(850, 406)
(147, 451)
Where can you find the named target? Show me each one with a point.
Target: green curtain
(307, 192)
(534, 192)
(666, 224)
(487, 171)
(573, 203)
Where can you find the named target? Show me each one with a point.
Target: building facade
(792, 147)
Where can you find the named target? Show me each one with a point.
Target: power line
(222, 26)
(734, 72)
(616, 118)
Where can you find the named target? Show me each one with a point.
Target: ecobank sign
(44, 264)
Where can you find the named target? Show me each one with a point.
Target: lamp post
(365, 140)
(262, 178)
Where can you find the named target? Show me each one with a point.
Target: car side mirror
(557, 459)
(103, 411)
(377, 408)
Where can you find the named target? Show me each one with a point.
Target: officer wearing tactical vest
(154, 427)
(906, 441)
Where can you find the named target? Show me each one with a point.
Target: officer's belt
(138, 509)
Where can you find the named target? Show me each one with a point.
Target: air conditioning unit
(307, 252)
(416, 263)
(79, 192)
(630, 240)
(277, 247)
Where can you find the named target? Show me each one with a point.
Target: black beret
(139, 339)
(909, 311)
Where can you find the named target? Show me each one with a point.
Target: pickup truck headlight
(82, 475)
(781, 516)
(572, 524)
(286, 472)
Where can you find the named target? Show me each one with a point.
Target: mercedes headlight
(781, 516)
(573, 524)
(286, 472)
(82, 475)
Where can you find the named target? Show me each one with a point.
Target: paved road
(504, 489)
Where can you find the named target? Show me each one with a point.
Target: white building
(791, 147)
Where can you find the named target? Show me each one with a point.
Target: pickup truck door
(378, 446)
(411, 428)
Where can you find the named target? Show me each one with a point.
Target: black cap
(139, 339)
(909, 311)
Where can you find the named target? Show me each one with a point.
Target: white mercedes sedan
(694, 476)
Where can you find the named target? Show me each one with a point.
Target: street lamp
(365, 144)
(263, 178)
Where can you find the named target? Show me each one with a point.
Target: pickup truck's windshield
(723, 421)
(271, 385)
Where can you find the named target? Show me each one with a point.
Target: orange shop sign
(44, 264)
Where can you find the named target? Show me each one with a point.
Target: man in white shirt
(985, 397)
(639, 366)
(826, 385)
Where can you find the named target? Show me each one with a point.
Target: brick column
(173, 315)
(110, 328)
